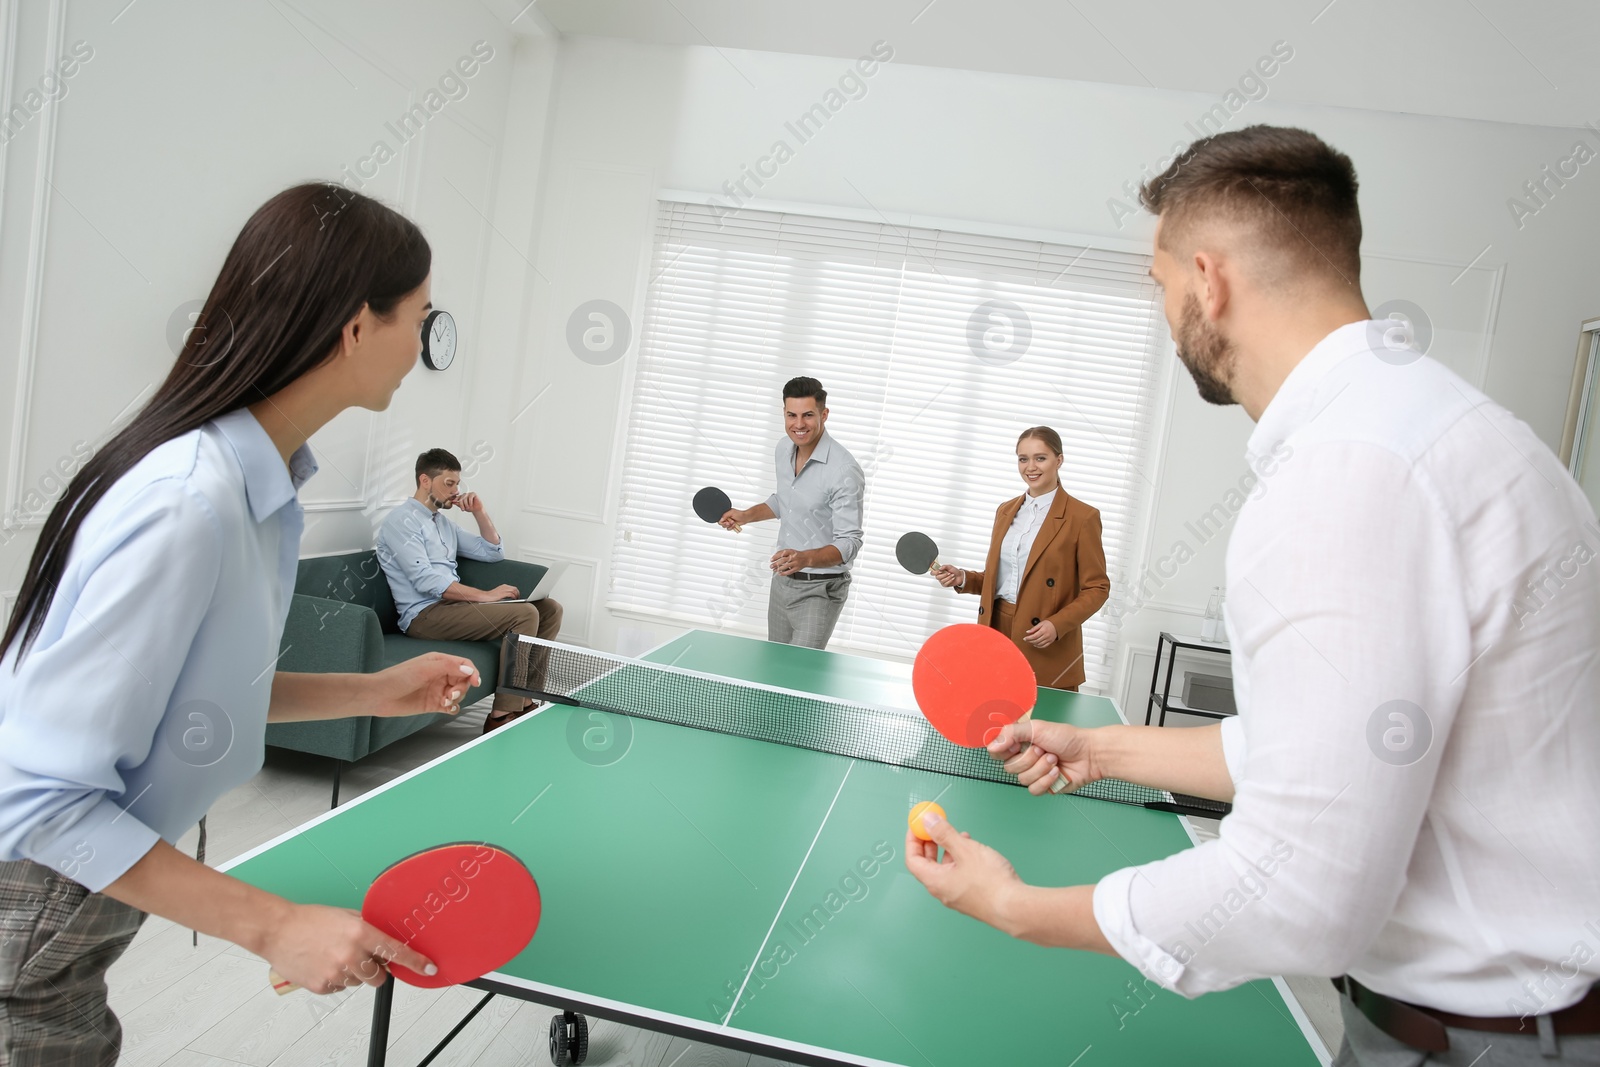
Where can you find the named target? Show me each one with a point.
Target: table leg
(378, 1044)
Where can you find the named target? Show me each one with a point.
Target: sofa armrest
(482, 575)
(325, 636)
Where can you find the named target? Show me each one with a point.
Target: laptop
(542, 590)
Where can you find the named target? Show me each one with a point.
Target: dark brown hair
(1295, 193)
(799, 388)
(304, 265)
(436, 461)
(1051, 439)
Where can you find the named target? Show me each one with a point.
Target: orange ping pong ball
(917, 829)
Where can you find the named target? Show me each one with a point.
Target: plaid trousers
(804, 613)
(57, 941)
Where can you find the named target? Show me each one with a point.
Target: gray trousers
(804, 613)
(57, 941)
(1367, 1046)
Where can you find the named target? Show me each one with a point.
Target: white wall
(122, 195)
(629, 120)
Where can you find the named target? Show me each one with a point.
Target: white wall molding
(487, 235)
(33, 284)
(409, 165)
(1167, 608)
(314, 506)
(8, 26)
(1433, 277)
(563, 513)
(525, 348)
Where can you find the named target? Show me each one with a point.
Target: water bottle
(1211, 628)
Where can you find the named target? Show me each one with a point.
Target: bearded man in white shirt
(1415, 624)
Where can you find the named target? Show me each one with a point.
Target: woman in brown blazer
(1046, 571)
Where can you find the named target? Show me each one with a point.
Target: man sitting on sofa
(417, 548)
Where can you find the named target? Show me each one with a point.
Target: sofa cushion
(397, 648)
(329, 636)
(342, 739)
(386, 730)
(354, 577)
(485, 655)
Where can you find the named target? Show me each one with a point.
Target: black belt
(805, 577)
(1424, 1028)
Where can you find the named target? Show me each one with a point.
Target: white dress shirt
(145, 696)
(1018, 542)
(1414, 610)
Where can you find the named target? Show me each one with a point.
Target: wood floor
(183, 1005)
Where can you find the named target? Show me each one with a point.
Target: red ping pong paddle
(971, 682)
(467, 907)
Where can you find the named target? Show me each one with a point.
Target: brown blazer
(1064, 581)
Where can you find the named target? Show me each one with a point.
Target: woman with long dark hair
(1046, 571)
(137, 672)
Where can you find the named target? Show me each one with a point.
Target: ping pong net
(581, 677)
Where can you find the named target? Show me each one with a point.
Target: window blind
(936, 348)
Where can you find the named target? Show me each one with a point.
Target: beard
(1208, 356)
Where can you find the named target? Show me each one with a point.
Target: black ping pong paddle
(917, 552)
(712, 503)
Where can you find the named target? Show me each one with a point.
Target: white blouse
(1018, 542)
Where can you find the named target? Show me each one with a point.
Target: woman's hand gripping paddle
(467, 907)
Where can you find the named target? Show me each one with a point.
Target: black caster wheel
(569, 1039)
(558, 1042)
(580, 1038)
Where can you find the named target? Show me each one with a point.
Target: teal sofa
(343, 619)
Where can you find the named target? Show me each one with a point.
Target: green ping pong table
(754, 895)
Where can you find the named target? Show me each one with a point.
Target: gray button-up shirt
(822, 504)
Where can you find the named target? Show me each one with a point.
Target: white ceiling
(1479, 59)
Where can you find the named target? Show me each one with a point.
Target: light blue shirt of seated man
(417, 549)
(144, 697)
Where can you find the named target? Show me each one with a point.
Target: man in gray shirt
(818, 505)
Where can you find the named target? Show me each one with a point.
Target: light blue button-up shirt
(822, 504)
(417, 548)
(144, 697)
